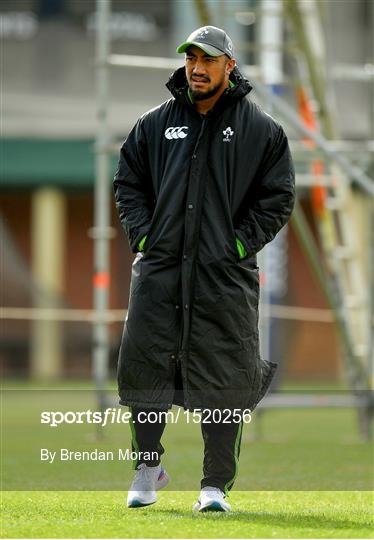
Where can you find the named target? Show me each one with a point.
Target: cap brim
(208, 49)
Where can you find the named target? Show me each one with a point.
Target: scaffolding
(337, 283)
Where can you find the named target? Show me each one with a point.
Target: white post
(270, 41)
(48, 259)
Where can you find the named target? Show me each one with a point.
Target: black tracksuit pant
(221, 445)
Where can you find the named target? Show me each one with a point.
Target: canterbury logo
(176, 132)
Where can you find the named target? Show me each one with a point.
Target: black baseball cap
(212, 40)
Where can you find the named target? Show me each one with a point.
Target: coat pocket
(136, 274)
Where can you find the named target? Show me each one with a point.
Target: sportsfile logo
(227, 134)
(176, 132)
(113, 415)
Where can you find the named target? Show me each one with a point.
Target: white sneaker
(211, 500)
(146, 482)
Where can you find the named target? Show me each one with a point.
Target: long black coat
(193, 191)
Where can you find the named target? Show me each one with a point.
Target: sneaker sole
(213, 507)
(139, 504)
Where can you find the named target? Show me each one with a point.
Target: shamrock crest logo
(227, 134)
(203, 33)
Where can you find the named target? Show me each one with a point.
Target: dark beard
(200, 96)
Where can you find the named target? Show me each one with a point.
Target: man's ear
(230, 65)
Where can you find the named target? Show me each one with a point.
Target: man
(204, 181)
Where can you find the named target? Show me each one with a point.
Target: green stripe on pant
(221, 454)
(238, 441)
(134, 443)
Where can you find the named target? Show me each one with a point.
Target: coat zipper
(194, 155)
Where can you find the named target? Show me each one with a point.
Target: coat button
(190, 207)
(172, 356)
(185, 257)
(186, 306)
(177, 307)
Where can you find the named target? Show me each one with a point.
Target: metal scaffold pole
(101, 230)
(353, 174)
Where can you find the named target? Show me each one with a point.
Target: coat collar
(177, 85)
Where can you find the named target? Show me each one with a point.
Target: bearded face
(206, 75)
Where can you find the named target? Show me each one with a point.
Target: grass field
(256, 515)
(302, 474)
